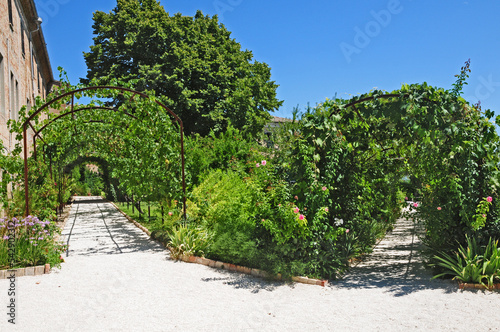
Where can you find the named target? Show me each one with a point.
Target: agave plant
(474, 264)
(189, 241)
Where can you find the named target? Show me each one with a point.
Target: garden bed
(227, 266)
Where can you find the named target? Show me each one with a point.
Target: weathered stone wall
(25, 71)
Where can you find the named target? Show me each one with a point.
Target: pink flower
(489, 199)
(324, 188)
(415, 204)
(326, 209)
(296, 210)
(347, 230)
(296, 197)
(406, 198)
(279, 204)
(263, 220)
(264, 163)
(439, 208)
(257, 165)
(170, 213)
(301, 217)
(484, 216)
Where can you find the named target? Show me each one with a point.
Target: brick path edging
(247, 270)
(227, 266)
(26, 271)
(465, 285)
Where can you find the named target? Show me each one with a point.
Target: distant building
(270, 128)
(25, 70)
(275, 122)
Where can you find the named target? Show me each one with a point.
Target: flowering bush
(28, 242)
(256, 221)
(482, 210)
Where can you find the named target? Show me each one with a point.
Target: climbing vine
(138, 139)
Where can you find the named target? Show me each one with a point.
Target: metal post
(183, 173)
(26, 192)
(34, 146)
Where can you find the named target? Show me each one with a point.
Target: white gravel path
(116, 279)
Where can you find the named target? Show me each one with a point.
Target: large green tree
(190, 62)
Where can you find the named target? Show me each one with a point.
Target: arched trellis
(448, 144)
(73, 111)
(399, 96)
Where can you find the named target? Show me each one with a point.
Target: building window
(2, 88)
(23, 47)
(32, 62)
(14, 98)
(10, 13)
(16, 102)
(11, 96)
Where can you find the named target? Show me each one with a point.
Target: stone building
(25, 70)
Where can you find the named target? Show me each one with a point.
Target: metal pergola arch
(73, 110)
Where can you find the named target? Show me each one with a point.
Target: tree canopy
(191, 63)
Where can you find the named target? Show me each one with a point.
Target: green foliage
(28, 242)
(227, 205)
(191, 62)
(137, 143)
(226, 150)
(256, 222)
(356, 185)
(482, 210)
(188, 241)
(464, 74)
(477, 264)
(90, 182)
(43, 190)
(363, 147)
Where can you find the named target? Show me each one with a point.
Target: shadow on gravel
(90, 201)
(398, 269)
(396, 265)
(396, 284)
(104, 230)
(244, 281)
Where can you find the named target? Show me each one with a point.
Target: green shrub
(477, 264)
(227, 205)
(227, 150)
(188, 241)
(256, 222)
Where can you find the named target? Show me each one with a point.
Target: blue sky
(318, 49)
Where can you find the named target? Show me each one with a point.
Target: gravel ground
(116, 279)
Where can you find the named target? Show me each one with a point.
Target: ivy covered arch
(362, 148)
(148, 135)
